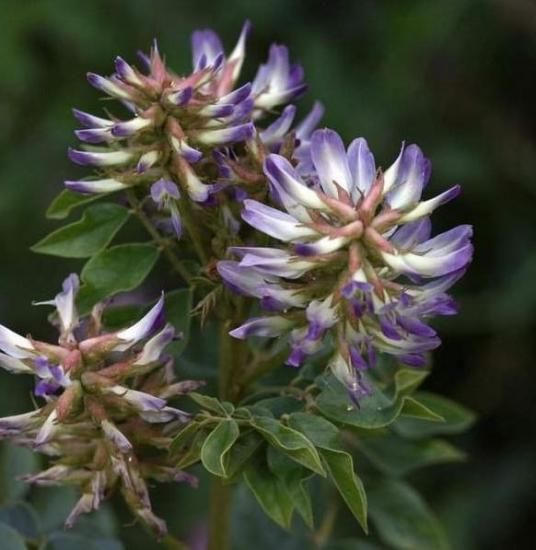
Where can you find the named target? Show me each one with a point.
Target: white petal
(142, 328)
(14, 365)
(14, 344)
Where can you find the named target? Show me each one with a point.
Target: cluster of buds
(105, 421)
(358, 262)
(192, 136)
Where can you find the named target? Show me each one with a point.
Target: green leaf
(86, 237)
(185, 435)
(403, 520)
(211, 404)
(117, 317)
(302, 501)
(280, 405)
(192, 453)
(179, 314)
(292, 477)
(291, 442)
(118, 269)
(11, 540)
(217, 445)
(456, 417)
(340, 466)
(62, 205)
(242, 451)
(23, 518)
(320, 431)
(396, 456)
(375, 411)
(14, 462)
(415, 409)
(407, 380)
(270, 493)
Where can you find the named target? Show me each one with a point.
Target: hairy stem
(162, 243)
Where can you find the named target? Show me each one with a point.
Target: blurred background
(455, 76)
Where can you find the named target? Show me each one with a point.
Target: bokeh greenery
(455, 76)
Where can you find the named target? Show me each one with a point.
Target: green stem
(192, 227)
(232, 355)
(262, 367)
(220, 516)
(162, 243)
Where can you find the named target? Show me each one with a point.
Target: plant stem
(219, 515)
(262, 367)
(229, 361)
(192, 228)
(151, 229)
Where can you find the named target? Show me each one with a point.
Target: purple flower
(278, 81)
(107, 390)
(356, 255)
(165, 194)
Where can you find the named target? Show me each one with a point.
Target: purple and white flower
(278, 81)
(101, 391)
(166, 194)
(356, 257)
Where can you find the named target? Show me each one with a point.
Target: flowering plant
(270, 229)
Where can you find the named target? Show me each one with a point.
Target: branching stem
(161, 241)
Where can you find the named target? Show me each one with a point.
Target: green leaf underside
(340, 466)
(396, 456)
(291, 442)
(119, 269)
(192, 453)
(217, 445)
(186, 435)
(415, 409)
(403, 519)
(240, 453)
(292, 476)
(10, 539)
(377, 410)
(86, 237)
(270, 493)
(456, 418)
(66, 201)
(339, 463)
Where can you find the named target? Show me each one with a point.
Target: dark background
(454, 76)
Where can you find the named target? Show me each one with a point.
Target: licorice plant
(311, 268)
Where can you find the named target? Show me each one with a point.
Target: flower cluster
(105, 406)
(193, 136)
(358, 262)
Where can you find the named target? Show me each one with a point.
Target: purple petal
(330, 160)
(362, 167)
(206, 47)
